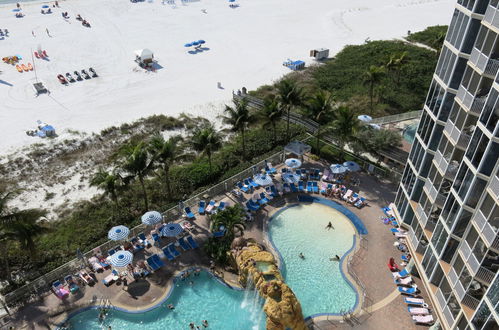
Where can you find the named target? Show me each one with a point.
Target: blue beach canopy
(45, 6)
(121, 259)
(195, 43)
(338, 169)
(201, 41)
(151, 218)
(352, 166)
(118, 233)
(171, 229)
(188, 45)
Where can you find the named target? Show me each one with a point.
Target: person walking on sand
(33, 33)
(48, 33)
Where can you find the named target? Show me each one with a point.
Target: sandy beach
(245, 46)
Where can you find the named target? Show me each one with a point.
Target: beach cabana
(144, 57)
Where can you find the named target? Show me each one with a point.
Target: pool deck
(386, 306)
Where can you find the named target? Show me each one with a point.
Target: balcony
(484, 63)
(495, 244)
(470, 302)
(440, 200)
(494, 185)
(485, 276)
(477, 105)
(492, 16)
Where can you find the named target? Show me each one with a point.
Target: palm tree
(207, 141)
(270, 114)
(345, 126)
(400, 61)
(23, 227)
(138, 165)
(238, 117)
(372, 77)
(438, 42)
(108, 182)
(232, 219)
(320, 109)
(290, 95)
(165, 153)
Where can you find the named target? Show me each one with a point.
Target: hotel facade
(448, 197)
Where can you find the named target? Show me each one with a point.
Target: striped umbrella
(293, 163)
(151, 218)
(352, 166)
(118, 233)
(263, 179)
(365, 118)
(121, 259)
(171, 229)
(338, 169)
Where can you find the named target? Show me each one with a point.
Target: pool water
(409, 133)
(316, 280)
(207, 299)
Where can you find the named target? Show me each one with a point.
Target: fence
(397, 118)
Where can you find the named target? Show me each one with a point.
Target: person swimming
(301, 256)
(335, 258)
(205, 323)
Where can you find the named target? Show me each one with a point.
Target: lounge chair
(406, 281)
(111, 252)
(184, 244)
(188, 213)
(423, 319)
(173, 250)
(270, 169)
(325, 175)
(152, 264)
(401, 274)
(293, 187)
(221, 206)
(202, 205)
(309, 187)
(242, 187)
(211, 206)
(192, 242)
(353, 199)
(405, 258)
(251, 206)
(361, 202)
(156, 238)
(253, 183)
(323, 189)
(314, 175)
(401, 235)
(315, 187)
(284, 170)
(59, 290)
(85, 277)
(220, 233)
(264, 200)
(167, 254)
(73, 287)
(111, 278)
(415, 301)
(157, 260)
(408, 291)
(144, 240)
(347, 194)
(274, 191)
(396, 230)
(286, 187)
(96, 265)
(418, 310)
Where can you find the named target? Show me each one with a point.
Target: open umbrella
(338, 169)
(118, 233)
(195, 43)
(188, 45)
(45, 6)
(263, 179)
(365, 118)
(201, 42)
(293, 163)
(375, 126)
(171, 229)
(121, 258)
(352, 166)
(151, 218)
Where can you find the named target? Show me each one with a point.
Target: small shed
(144, 57)
(319, 53)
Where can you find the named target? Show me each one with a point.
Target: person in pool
(301, 256)
(205, 323)
(329, 226)
(335, 258)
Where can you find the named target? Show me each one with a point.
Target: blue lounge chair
(73, 287)
(315, 174)
(167, 254)
(298, 172)
(157, 260)
(189, 213)
(156, 238)
(192, 242)
(202, 205)
(396, 230)
(111, 252)
(253, 183)
(293, 187)
(211, 206)
(286, 187)
(284, 170)
(409, 291)
(275, 193)
(415, 301)
(242, 187)
(300, 186)
(173, 250)
(362, 201)
(270, 170)
(221, 206)
(144, 240)
(252, 207)
(309, 187)
(315, 187)
(220, 233)
(152, 264)
(263, 200)
(402, 273)
(184, 244)
(405, 258)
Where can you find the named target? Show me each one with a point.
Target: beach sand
(245, 46)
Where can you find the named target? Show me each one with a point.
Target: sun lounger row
(155, 262)
(187, 243)
(211, 207)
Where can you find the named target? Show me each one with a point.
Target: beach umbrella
(365, 118)
(45, 6)
(263, 179)
(338, 169)
(232, 0)
(375, 126)
(195, 43)
(352, 166)
(118, 233)
(171, 229)
(201, 42)
(121, 258)
(151, 218)
(188, 45)
(293, 163)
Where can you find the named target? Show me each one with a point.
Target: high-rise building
(448, 197)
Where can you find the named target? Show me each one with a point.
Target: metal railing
(397, 118)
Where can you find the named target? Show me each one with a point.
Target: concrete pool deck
(387, 309)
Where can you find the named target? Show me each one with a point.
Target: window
(481, 316)
(468, 4)
(446, 106)
(458, 74)
(457, 28)
(490, 159)
(462, 222)
(490, 113)
(487, 205)
(470, 36)
(476, 192)
(450, 250)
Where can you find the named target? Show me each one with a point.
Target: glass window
(458, 74)
(462, 223)
(470, 36)
(481, 316)
(465, 184)
(490, 113)
(490, 159)
(476, 192)
(487, 205)
(450, 250)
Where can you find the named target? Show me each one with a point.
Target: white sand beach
(245, 46)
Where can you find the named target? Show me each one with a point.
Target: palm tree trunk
(244, 143)
(144, 192)
(371, 94)
(274, 138)
(167, 182)
(30, 244)
(318, 140)
(287, 123)
(209, 160)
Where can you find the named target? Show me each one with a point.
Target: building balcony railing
(485, 276)
(477, 105)
(440, 200)
(492, 16)
(494, 184)
(470, 301)
(484, 63)
(495, 244)
(458, 137)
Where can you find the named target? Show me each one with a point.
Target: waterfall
(253, 303)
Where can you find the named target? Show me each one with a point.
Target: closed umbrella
(352, 166)
(171, 229)
(151, 218)
(118, 233)
(263, 179)
(338, 169)
(121, 259)
(293, 163)
(365, 118)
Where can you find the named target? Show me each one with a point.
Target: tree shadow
(140, 288)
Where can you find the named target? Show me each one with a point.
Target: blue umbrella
(195, 43)
(118, 233)
(338, 169)
(365, 118)
(352, 166)
(121, 258)
(151, 218)
(45, 6)
(232, 0)
(171, 229)
(201, 42)
(16, 9)
(188, 45)
(293, 163)
(263, 179)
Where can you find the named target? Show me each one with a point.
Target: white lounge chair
(418, 310)
(415, 301)
(426, 319)
(404, 281)
(347, 194)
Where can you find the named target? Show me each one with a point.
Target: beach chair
(95, 265)
(156, 238)
(192, 242)
(221, 206)
(167, 254)
(415, 301)
(270, 169)
(143, 240)
(59, 290)
(73, 287)
(347, 194)
(173, 250)
(418, 310)
(242, 187)
(188, 213)
(408, 291)
(157, 260)
(85, 277)
(274, 191)
(314, 175)
(401, 274)
(220, 233)
(211, 206)
(361, 202)
(293, 187)
(150, 262)
(263, 200)
(423, 319)
(286, 187)
(309, 187)
(111, 278)
(406, 281)
(396, 230)
(300, 186)
(111, 252)
(251, 207)
(405, 258)
(183, 244)
(253, 183)
(202, 205)
(315, 187)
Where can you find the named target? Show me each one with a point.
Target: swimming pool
(316, 280)
(409, 133)
(207, 299)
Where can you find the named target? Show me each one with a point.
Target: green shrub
(432, 36)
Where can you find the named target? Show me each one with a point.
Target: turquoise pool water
(316, 280)
(222, 307)
(409, 133)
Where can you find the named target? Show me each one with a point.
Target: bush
(431, 36)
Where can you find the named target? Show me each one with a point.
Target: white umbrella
(293, 163)
(263, 179)
(338, 169)
(365, 118)
(352, 166)
(151, 218)
(172, 229)
(118, 233)
(121, 258)
(375, 126)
